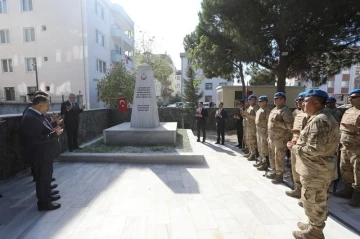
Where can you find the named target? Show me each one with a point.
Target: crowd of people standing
(315, 135)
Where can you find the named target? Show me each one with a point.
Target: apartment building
(62, 45)
(339, 85)
(207, 86)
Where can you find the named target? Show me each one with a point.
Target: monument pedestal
(123, 134)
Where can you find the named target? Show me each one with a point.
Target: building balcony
(116, 32)
(116, 56)
(128, 61)
(128, 41)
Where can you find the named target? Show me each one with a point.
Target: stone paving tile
(223, 198)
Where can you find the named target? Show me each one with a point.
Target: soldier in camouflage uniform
(246, 147)
(315, 162)
(261, 119)
(299, 122)
(350, 151)
(249, 114)
(331, 106)
(279, 133)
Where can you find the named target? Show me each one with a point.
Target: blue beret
(356, 91)
(317, 93)
(331, 99)
(252, 97)
(280, 94)
(301, 95)
(263, 97)
(245, 100)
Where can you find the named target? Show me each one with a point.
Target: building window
(29, 64)
(208, 86)
(3, 6)
(4, 36)
(330, 84)
(45, 58)
(7, 65)
(223, 84)
(43, 28)
(99, 10)
(27, 5)
(178, 77)
(101, 66)
(10, 93)
(29, 34)
(208, 98)
(47, 88)
(345, 84)
(31, 89)
(100, 38)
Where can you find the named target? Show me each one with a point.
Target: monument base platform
(123, 134)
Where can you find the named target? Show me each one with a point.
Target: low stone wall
(18, 108)
(92, 123)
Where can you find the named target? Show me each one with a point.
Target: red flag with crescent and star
(122, 104)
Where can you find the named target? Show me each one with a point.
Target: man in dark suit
(220, 116)
(52, 119)
(239, 124)
(43, 146)
(70, 111)
(201, 115)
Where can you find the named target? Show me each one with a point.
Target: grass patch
(182, 145)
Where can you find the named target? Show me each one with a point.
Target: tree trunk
(281, 81)
(242, 78)
(283, 64)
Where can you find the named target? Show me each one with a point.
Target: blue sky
(167, 20)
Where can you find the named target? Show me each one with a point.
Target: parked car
(176, 105)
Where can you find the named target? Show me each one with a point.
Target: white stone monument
(144, 128)
(145, 112)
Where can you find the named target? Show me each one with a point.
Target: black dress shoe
(198, 140)
(53, 179)
(203, 141)
(52, 186)
(54, 192)
(238, 145)
(71, 150)
(222, 143)
(217, 143)
(54, 198)
(48, 207)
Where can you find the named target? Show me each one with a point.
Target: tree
(118, 82)
(191, 95)
(213, 51)
(260, 76)
(292, 38)
(174, 99)
(161, 64)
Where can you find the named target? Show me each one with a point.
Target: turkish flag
(122, 104)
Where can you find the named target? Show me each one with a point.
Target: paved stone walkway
(224, 198)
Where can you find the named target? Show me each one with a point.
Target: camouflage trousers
(277, 152)
(350, 167)
(262, 144)
(251, 140)
(314, 195)
(296, 176)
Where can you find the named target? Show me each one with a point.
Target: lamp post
(36, 76)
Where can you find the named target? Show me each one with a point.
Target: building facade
(338, 86)
(61, 47)
(207, 86)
